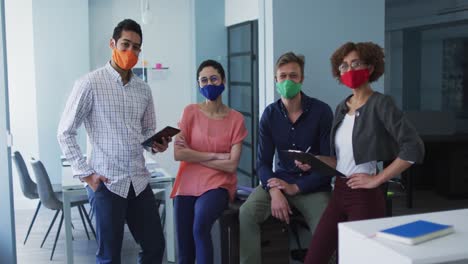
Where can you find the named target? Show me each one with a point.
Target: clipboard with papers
(314, 162)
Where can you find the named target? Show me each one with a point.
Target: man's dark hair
(212, 63)
(127, 25)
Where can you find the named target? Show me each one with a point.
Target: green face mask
(288, 89)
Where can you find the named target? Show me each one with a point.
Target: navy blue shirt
(277, 132)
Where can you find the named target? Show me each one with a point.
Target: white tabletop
(70, 183)
(448, 248)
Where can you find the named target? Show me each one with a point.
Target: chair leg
(32, 222)
(91, 212)
(82, 220)
(57, 236)
(50, 227)
(163, 216)
(293, 228)
(89, 223)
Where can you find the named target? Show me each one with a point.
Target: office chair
(29, 187)
(51, 201)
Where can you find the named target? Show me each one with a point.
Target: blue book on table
(416, 232)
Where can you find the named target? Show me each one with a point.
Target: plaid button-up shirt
(117, 118)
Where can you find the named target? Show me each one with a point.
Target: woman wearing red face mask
(367, 128)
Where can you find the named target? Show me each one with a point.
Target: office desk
(357, 243)
(70, 189)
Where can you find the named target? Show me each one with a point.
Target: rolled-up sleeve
(411, 147)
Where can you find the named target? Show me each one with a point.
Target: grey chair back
(28, 187)
(44, 187)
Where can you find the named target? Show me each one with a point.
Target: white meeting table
(358, 244)
(71, 187)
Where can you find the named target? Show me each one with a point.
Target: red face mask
(355, 78)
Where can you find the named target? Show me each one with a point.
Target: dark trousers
(346, 204)
(194, 218)
(142, 217)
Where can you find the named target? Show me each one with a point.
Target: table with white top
(358, 243)
(72, 187)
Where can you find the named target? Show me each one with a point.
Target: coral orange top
(208, 135)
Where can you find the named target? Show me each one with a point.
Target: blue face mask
(211, 92)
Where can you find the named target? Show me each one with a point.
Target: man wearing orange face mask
(117, 110)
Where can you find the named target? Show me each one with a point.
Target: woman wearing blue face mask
(209, 147)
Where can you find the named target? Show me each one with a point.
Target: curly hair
(369, 52)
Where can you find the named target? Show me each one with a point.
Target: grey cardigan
(381, 132)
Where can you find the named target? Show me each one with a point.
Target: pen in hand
(300, 165)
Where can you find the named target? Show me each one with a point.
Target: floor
(84, 249)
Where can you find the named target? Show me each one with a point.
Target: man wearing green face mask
(295, 121)
(288, 88)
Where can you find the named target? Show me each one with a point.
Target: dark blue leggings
(194, 218)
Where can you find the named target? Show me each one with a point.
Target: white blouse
(344, 150)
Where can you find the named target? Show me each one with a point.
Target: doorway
(243, 92)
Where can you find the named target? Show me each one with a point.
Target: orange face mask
(124, 59)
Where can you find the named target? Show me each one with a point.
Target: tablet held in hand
(163, 133)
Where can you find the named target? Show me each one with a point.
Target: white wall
(210, 38)
(46, 43)
(61, 55)
(265, 55)
(238, 11)
(7, 217)
(22, 87)
(167, 40)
